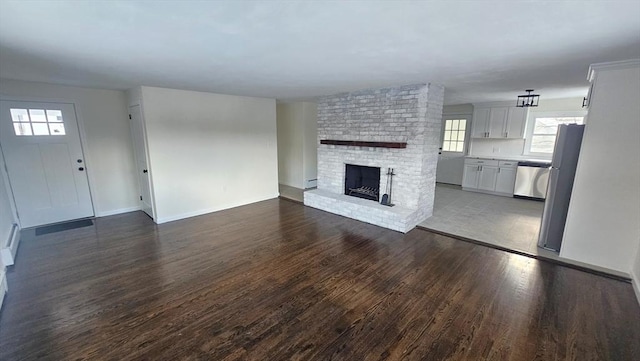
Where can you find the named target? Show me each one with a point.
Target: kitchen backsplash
(497, 147)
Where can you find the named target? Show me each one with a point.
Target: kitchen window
(542, 130)
(454, 135)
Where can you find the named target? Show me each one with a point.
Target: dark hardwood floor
(278, 281)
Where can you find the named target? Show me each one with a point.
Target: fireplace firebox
(362, 182)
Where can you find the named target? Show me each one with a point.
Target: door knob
(145, 171)
(79, 160)
(81, 169)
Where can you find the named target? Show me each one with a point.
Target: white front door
(43, 154)
(140, 150)
(453, 149)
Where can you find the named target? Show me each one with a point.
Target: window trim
(531, 123)
(467, 133)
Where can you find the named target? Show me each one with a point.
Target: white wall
(209, 151)
(6, 213)
(108, 148)
(603, 223)
(310, 158)
(297, 144)
(497, 147)
(552, 105)
(6, 224)
(457, 109)
(290, 144)
(515, 147)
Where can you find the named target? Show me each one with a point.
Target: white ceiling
(479, 50)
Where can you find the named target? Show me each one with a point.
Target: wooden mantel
(358, 143)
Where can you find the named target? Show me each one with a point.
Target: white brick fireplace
(410, 114)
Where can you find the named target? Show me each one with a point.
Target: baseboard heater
(9, 250)
(312, 183)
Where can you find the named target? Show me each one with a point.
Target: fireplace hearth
(362, 182)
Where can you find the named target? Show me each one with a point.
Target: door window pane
(54, 116)
(22, 128)
(56, 128)
(19, 115)
(40, 128)
(37, 115)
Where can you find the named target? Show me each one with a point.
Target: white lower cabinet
(506, 180)
(470, 176)
(488, 175)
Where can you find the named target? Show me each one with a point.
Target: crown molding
(593, 68)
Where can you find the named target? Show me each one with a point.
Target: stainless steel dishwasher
(531, 180)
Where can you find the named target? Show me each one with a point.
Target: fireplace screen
(362, 182)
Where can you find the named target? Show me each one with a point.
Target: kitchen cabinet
(489, 176)
(470, 176)
(499, 122)
(498, 118)
(515, 124)
(479, 173)
(506, 178)
(480, 122)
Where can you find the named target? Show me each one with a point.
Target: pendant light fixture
(528, 100)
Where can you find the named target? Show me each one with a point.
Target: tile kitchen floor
(503, 221)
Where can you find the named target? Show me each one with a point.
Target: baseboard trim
(118, 211)
(290, 199)
(487, 192)
(161, 220)
(530, 255)
(10, 249)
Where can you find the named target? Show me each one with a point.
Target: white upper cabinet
(480, 123)
(499, 122)
(515, 125)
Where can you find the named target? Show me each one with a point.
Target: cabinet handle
(507, 135)
(498, 170)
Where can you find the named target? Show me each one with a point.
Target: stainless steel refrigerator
(561, 175)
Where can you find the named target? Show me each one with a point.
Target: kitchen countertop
(511, 158)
